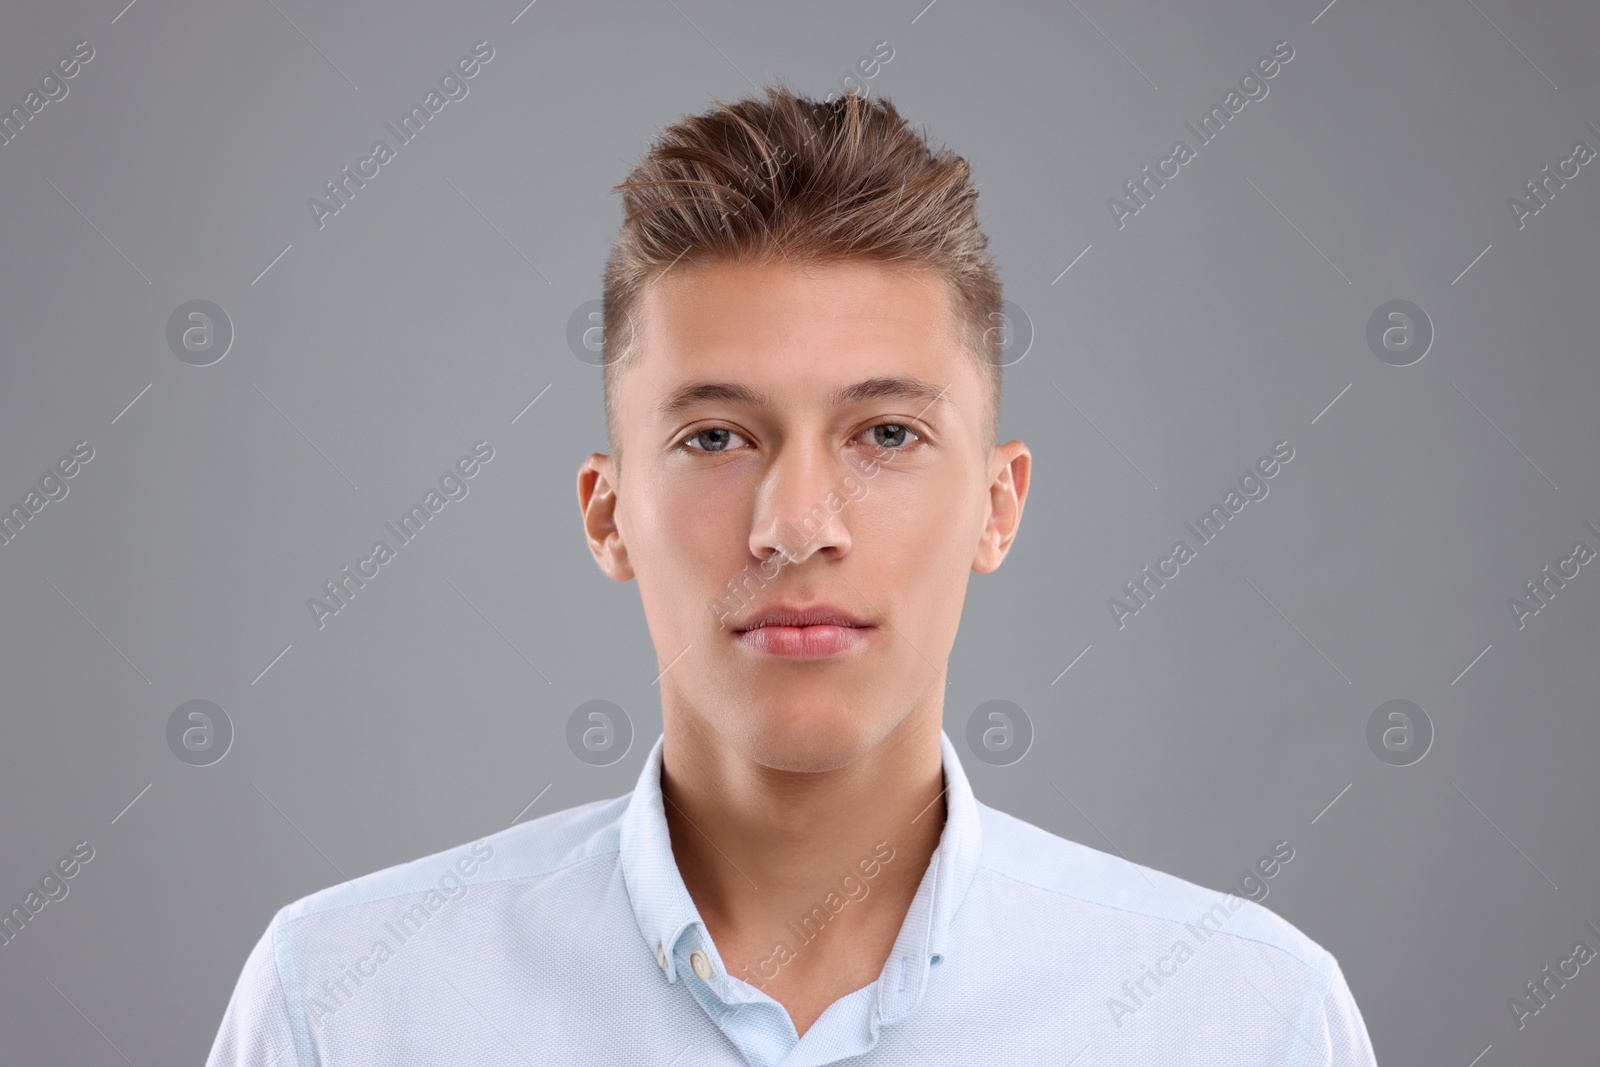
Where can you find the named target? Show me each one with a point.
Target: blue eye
(898, 435)
(894, 436)
(718, 434)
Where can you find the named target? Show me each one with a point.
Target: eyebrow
(884, 388)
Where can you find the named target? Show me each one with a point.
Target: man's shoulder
(316, 953)
(1129, 893)
(524, 851)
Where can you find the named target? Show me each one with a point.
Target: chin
(807, 737)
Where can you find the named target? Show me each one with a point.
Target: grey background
(1224, 317)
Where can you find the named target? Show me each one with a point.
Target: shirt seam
(500, 880)
(294, 1003)
(1320, 1005)
(1313, 968)
(295, 1018)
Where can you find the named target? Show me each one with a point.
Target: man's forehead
(720, 331)
(730, 300)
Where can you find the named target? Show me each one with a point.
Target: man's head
(802, 370)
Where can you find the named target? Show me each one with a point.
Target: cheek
(921, 534)
(687, 540)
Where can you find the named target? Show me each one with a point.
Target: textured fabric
(538, 945)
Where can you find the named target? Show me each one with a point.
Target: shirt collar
(670, 924)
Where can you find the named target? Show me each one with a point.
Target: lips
(803, 631)
(794, 615)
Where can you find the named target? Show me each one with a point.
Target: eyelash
(907, 427)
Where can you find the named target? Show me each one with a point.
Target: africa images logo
(1252, 86)
(452, 85)
(342, 588)
(1253, 486)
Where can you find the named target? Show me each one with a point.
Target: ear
(1009, 467)
(597, 500)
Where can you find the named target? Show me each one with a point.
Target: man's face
(787, 490)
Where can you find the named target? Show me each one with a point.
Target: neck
(759, 849)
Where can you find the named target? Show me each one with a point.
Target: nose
(799, 504)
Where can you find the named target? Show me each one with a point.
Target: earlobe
(597, 502)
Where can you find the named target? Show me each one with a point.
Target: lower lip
(804, 642)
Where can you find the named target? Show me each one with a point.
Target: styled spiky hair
(787, 177)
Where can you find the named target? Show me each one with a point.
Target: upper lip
(796, 615)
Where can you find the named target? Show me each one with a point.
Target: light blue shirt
(570, 939)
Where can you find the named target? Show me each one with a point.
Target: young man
(802, 394)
